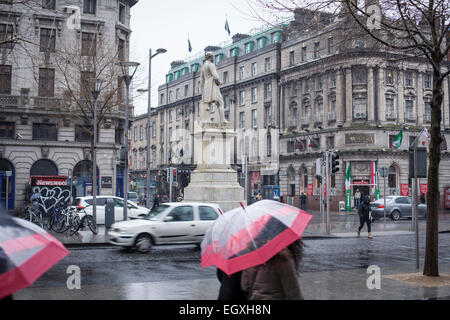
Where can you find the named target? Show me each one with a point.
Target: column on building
(381, 94)
(401, 97)
(325, 98)
(370, 95)
(420, 102)
(348, 95)
(340, 102)
(445, 104)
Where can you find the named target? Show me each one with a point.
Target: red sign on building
(310, 190)
(404, 189)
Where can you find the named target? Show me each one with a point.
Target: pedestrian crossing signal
(334, 163)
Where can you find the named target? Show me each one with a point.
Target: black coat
(230, 286)
(364, 209)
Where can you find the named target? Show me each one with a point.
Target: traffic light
(165, 175)
(334, 163)
(174, 173)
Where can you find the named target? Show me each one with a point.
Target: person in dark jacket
(422, 198)
(278, 278)
(364, 216)
(156, 201)
(230, 286)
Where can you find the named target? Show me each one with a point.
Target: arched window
(44, 167)
(291, 173)
(393, 177)
(269, 145)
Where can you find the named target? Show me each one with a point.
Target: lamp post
(128, 70)
(150, 57)
(97, 86)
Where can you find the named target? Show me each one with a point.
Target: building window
(177, 94)
(390, 107)
(359, 75)
(392, 177)
(304, 54)
(241, 73)
(330, 142)
(121, 50)
(268, 116)
(49, 4)
(88, 44)
(170, 115)
(359, 108)
(153, 129)
(7, 35)
(330, 45)
(83, 133)
(141, 133)
(242, 120)
(170, 134)
(427, 81)
(44, 131)
(242, 97)
(46, 82)
(319, 83)
(89, 6)
(161, 98)
(269, 145)
(389, 77)
(170, 96)
(186, 90)
(225, 77)
(306, 85)
(254, 119)
(135, 133)
(122, 13)
(254, 69)
(7, 130)
(409, 82)
(86, 86)
(5, 79)
(291, 58)
(254, 95)
(409, 110)
(317, 50)
(267, 64)
(47, 40)
(267, 91)
(427, 114)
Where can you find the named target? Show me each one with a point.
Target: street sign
(383, 172)
(8, 173)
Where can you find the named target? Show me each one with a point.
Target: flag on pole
(373, 175)
(443, 143)
(227, 27)
(347, 178)
(426, 134)
(189, 45)
(398, 140)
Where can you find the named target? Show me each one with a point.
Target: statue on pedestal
(209, 85)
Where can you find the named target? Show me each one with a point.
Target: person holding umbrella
(249, 237)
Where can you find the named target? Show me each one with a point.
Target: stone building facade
(40, 133)
(293, 92)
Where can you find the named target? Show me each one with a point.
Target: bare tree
(407, 29)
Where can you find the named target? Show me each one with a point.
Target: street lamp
(128, 71)
(158, 51)
(97, 85)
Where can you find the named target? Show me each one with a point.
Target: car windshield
(156, 211)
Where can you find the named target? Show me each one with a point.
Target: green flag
(347, 178)
(398, 140)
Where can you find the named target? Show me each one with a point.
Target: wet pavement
(333, 268)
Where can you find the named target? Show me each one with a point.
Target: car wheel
(395, 215)
(143, 243)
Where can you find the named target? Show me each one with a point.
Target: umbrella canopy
(26, 252)
(245, 237)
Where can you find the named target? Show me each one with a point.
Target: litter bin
(109, 213)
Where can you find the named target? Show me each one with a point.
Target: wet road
(177, 268)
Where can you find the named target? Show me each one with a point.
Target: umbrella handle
(242, 205)
(220, 211)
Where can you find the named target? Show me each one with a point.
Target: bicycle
(83, 219)
(61, 218)
(33, 217)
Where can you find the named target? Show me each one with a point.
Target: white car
(169, 223)
(134, 211)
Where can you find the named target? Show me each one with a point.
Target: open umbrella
(245, 237)
(26, 252)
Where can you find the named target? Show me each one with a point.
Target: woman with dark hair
(364, 216)
(278, 278)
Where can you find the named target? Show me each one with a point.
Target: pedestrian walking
(156, 201)
(230, 286)
(303, 201)
(364, 216)
(357, 199)
(422, 198)
(277, 279)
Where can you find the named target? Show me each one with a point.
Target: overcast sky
(167, 24)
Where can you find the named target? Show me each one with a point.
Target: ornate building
(40, 130)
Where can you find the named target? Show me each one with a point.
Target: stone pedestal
(214, 180)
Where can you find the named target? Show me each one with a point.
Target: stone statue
(209, 84)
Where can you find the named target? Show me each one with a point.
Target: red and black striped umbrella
(245, 237)
(26, 252)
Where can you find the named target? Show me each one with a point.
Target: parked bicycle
(62, 218)
(33, 215)
(84, 219)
